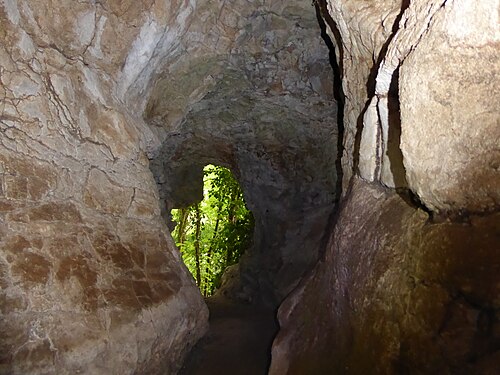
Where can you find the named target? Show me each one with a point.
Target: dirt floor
(237, 343)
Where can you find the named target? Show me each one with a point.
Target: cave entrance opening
(213, 234)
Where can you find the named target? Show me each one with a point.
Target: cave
(364, 135)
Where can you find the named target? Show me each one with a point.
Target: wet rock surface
(409, 279)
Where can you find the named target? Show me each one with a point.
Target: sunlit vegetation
(213, 234)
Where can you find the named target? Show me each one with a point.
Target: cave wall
(90, 279)
(105, 105)
(102, 104)
(287, 176)
(252, 90)
(397, 295)
(409, 282)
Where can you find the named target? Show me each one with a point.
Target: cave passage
(212, 234)
(265, 110)
(366, 147)
(238, 342)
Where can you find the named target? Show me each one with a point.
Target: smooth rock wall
(449, 93)
(395, 294)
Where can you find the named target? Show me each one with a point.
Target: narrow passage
(238, 341)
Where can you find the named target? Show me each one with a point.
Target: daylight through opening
(212, 234)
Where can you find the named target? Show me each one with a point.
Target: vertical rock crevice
(336, 55)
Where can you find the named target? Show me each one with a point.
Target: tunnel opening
(267, 111)
(214, 233)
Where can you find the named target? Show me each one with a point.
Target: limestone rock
(110, 109)
(370, 144)
(90, 281)
(443, 143)
(251, 91)
(287, 176)
(395, 294)
(363, 31)
(449, 112)
(103, 195)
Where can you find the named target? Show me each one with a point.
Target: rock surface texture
(395, 294)
(90, 280)
(409, 283)
(252, 91)
(110, 109)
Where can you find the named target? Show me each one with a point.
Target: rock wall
(109, 109)
(453, 167)
(252, 90)
(98, 95)
(409, 282)
(395, 294)
(90, 280)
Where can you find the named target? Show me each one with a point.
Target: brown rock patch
(122, 294)
(109, 248)
(78, 266)
(31, 267)
(4, 275)
(26, 264)
(17, 244)
(143, 292)
(36, 354)
(52, 211)
(27, 179)
(11, 304)
(105, 195)
(6, 205)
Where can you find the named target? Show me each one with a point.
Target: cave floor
(238, 341)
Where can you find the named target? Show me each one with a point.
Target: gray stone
(450, 129)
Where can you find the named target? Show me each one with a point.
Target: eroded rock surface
(97, 95)
(418, 112)
(454, 167)
(252, 91)
(404, 289)
(90, 280)
(396, 294)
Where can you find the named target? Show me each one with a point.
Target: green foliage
(213, 234)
